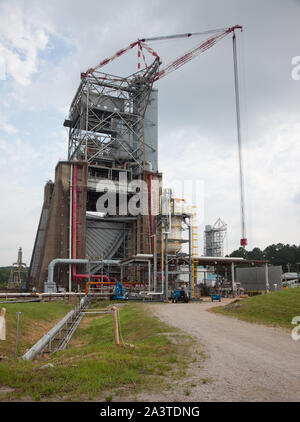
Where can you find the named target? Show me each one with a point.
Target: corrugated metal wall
(255, 278)
(103, 239)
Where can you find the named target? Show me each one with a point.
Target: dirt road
(246, 362)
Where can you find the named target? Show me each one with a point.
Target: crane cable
(195, 51)
(238, 121)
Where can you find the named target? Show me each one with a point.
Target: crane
(216, 35)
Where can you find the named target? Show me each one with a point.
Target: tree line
(288, 256)
(4, 276)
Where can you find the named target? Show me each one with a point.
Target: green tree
(239, 253)
(277, 254)
(256, 254)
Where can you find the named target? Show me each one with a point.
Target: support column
(154, 264)
(166, 267)
(233, 278)
(149, 275)
(191, 277)
(267, 279)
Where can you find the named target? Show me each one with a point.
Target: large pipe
(166, 267)
(136, 164)
(151, 214)
(93, 276)
(74, 238)
(233, 278)
(154, 263)
(78, 261)
(74, 219)
(267, 278)
(130, 164)
(191, 266)
(162, 272)
(42, 343)
(70, 226)
(149, 164)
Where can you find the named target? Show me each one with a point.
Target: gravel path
(246, 362)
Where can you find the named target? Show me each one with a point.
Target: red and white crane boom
(218, 34)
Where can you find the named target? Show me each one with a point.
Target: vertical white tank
(175, 236)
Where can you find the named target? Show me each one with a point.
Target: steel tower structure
(112, 125)
(214, 239)
(110, 118)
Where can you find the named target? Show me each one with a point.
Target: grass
(275, 308)
(93, 366)
(35, 320)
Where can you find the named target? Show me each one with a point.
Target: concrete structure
(91, 211)
(106, 215)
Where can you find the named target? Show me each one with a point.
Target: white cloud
(24, 170)
(196, 105)
(8, 128)
(21, 42)
(271, 181)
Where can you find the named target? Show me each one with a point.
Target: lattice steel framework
(108, 115)
(214, 239)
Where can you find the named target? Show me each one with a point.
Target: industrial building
(107, 204)
(107, 218)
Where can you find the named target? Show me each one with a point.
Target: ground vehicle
(216, 297)
(119, 292)
(179, 295)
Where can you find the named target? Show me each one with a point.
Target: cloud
(20, 44)
(8, 128)
(47, 45)
(297, 198)
(24, 169)
(271, 187)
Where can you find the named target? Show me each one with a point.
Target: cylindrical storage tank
(175, 236)
(183, 277)
(166, 202)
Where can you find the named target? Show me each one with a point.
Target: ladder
(195, 246)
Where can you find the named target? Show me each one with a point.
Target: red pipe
(97, 276)
(74, 219)
(74, 233)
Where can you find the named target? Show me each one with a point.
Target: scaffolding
(195, 247)
(109, 116)
(214, 239)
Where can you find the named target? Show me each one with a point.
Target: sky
(44, 46)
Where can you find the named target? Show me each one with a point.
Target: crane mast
(238, 121)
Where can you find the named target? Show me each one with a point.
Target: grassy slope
(275, 308)
(93, 364)
(35, 320)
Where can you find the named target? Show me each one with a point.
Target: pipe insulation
(77, 261)
(42, 343)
